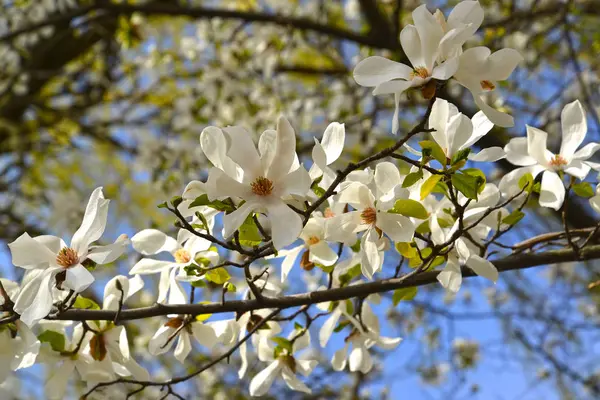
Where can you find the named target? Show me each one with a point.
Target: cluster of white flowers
(439, 213)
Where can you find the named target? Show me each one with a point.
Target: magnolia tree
(419, 212)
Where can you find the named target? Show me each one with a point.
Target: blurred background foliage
(116, 93)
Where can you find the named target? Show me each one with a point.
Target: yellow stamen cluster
(369, 215)
(558, 161)
(487, 85)
(328, 213)
(313, 240)
(262, 186)
(182, 256)
(420, 72)
(67, 257)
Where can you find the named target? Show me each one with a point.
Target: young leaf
(435, 150)
(583, 189)
(283, 343)
(412, 178)
(85, 303)
(55, 339)
(467, 185)
(513, 217)
(410, 208)
(404, 295)
(218, 276)
(429, 185)
(526, 181)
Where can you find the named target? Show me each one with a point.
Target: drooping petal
(35, 299)
(28, 253)
(289, 260)
(497, 117)
(158, 343)
(586, 151)
(483, 267)
(481, 126)
(232, 221)
(93, 224)
(509, 184)
(396, 87)
(340, 358)
(262, 382)
(578, 169)
(552, 192)
(360, 360)
(373, 71)
(328, 327)
(153, 241)
(58, 378)
(292, 380)
(204, 334)
(574, 129)
(150, 266)
(28, 350)
(451, 277)
(78, 278)
(286, 225)
(183, 348)
(109, 253)
(371, 259)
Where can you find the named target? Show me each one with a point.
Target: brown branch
(509, 263)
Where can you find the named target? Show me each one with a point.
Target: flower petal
(285, 150)
(490, 154)
(261, 383)
(28, 253)
(536, 145)
(398, 227)
(445, 70)
(321, 253)
(483, 267)
(497, 117)
(373, 71)
(153, 241)
(502, 63)
(333, 141)
(292, 381)
(328, 327)
(93, 224)
(109, 253)
(340, 358)
(574, 128)
(242, 151)
(35, 299)
(451, 277)
(411, 44)
(150, 266)
(78, 278)
(552, 193)
(183, 348)
(286, 225)
(214, 145)
(516, 152)
(232, 221)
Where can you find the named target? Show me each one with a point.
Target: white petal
(489, 154)
(578, 169)
(153, 241)
(109, 253)
(387, 176)
(58, 378)
(552, 193)
(35, 299)
(574, 128)
(451, 277)
(289, 261)
(333, 141)
(183, 347)
(430, 33)
(398, 227)
(158, 343)
(296, 183)
(536, 145)
(388, 343)
(371, 259)
(285, 150)
(242, 151)
(262, 382)
(437, 233)
(438, 120)
(483, 267)
(411, 44)
(445, 70)
(360, 360)
(497, 117)
(150, 266)
(29, 348)
(376, 70)
(466, 12)
(27, 252)
(595, 203)
(328, 327)
(319, 161)
(340, 358)
(321, 253)
(204, 334)
(78, 278)
(516, 152)
(232, 221)
(358, 195)
(502, 63)
(285, 224)
(586, 151)
(369, 319)
(396, 87)
(93, 224)
(214, 145)
(292, 381)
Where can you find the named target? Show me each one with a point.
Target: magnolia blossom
(285, 364)
(316, 249)
(595, 200)
(479, 71)
(247, 322)
(326, 152)
(182, 329)
(51, 263)
(432, 46)
(455, 132)
(184, 250)
(265, 179)
(531, 153)
(362, 337)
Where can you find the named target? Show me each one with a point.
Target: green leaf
(440, 187)
(229, 287)
(583, 189)
(218, 275)
(176, 201)
(526, 181)
(423, 228)
(350, 274)
(476, 173)
(356, 246)
(410, 208)
(412, 178)
(467, 185)
(55, 339)
(283, 343)
(461, 155)
(341, 326)
(431, 147)
(249, 233)
(429, 185)
(319, 191)
(405, 294)
(85, 303)
(297, 326)
(216, 204)
(406, 250)
(162, 205)
(513, 217)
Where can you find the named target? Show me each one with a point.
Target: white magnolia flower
(265, 179)
(363, 336)
(51, 262)
(19, 348)
(326, 152)
(479, 71)
(316, 249)
(286, 365)
(595, 200)
(454, 131)
(532, 154)
(246, 323)
(119, 289)
(432, 46)
(371, 216)
(182, 330)
(184, 250)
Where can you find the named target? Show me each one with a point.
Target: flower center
(369, 216)
(328, 213)
(420, 72)
(289, 362)
(558, 161)
(182, 256)
(313, 240)
(262, 186)
(174, 322)
(67, 257)
(487, 85)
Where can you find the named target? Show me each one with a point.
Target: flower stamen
(487, 85)
(420, 72)
(262, 186)
(558, 161)
(67, 257)
(313, 240)
(182, 256)
(369, 216)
